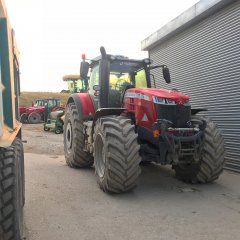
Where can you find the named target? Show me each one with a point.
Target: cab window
(118, 80)
(94, 79)
(51, 103)
(140, 79)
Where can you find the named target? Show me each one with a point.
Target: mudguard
(84, 104)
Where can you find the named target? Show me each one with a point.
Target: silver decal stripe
(136, 95)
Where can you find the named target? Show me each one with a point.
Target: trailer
(12, 188)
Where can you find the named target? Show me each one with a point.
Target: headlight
(167, 101)
(170, 101)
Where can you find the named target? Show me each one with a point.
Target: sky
(52, 34)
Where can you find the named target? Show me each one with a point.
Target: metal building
(202, 49)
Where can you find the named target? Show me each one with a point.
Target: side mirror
(96, 87)
(166, 74)
(84, 67)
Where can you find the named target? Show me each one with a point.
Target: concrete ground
(64, 203)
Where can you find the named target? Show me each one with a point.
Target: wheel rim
(99, 156)
(58, 131)
(69, 137)
(34, 118)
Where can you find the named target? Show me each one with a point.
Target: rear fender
(102, 112)
(84, 104)
(22, 110)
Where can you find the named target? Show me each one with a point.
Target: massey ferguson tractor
(122, 121)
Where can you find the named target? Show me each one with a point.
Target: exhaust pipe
(104, 70)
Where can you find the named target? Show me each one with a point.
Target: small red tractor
(122, 121)
(39, 110)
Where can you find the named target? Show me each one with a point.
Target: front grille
(179, 115)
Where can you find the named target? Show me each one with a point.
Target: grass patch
(26, 98)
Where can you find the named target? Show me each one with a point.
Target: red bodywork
(22, 110)
(86, 102)
(29, 110)
(140, 102)
(38, 109)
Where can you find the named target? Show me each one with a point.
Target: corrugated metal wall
(204, 62)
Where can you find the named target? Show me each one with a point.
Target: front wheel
(116, 154)
(12, 191)
(58, 131)
(46, 129)
(212, 159)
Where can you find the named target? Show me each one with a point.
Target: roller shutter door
(204, 62)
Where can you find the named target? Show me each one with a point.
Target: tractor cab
(123, 74)
(47, 102)
(112, 75)
(75, 84)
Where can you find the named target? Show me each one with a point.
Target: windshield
(123, 75)
(119, 81)
(51, 103)
(38, 103)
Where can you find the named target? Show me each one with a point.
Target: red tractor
(39, 110)
(122, 121)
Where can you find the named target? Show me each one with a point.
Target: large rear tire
(116, 154)
(12, 190)
(34, 118)
(24, 118)
(74, 140)
(211, 163)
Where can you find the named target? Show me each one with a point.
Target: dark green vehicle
(54, 122)
(11, 149)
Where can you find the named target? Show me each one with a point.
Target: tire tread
(212, 160)
(9, 226)
(122, 168)
(78, 158)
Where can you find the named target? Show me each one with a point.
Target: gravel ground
(64, 203)
(41, 142)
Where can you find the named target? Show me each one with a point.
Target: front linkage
(179, 144)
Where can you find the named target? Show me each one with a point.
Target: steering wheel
(119, 83)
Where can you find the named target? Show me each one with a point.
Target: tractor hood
(35, 109)
(149, 93)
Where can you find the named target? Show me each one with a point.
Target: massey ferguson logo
(180, 102)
